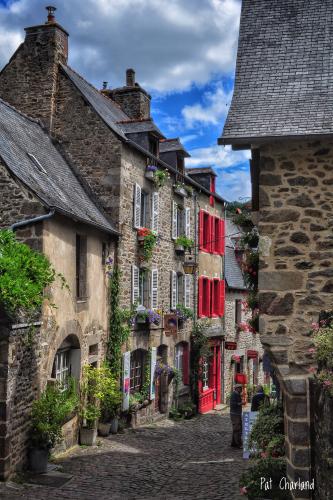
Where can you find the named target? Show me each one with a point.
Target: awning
(251, 354)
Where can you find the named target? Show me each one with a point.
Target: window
(145, 287)
(137, 365)
(204, 297)
(204, 231)
(238, 311)
(180, 164)
(211, 297)
(62, 367)
(177, 289)
(153, 146)
(205, 374)
(81, 266)
(182, 361)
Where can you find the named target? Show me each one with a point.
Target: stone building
(280, 111)
(243, 352)
(211, 285)
(50, 209)
(114, 144)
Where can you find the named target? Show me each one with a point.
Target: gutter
(34, 220)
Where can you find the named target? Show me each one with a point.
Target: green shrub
(268, 424)
(49, 413)
(268, 468)
(24, 274)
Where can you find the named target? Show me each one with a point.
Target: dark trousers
(236, 421)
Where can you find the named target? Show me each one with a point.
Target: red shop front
(210, 380)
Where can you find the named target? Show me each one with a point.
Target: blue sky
(183, 52)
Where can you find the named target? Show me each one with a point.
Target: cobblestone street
(190, 459)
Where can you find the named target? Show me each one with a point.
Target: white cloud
(214, 110)
(171, 44)
(234, 185)
(217, 156)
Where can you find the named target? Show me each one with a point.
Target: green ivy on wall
(24, 273)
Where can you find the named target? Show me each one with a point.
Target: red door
(210, 382)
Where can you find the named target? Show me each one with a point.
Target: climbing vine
(24, 274)
(120, 323)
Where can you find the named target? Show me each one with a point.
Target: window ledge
(82, 301)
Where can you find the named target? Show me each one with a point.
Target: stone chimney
(29, 80)
(132, 98)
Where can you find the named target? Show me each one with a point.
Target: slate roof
(201, 170)
(284, 71)
(135, 126)
(233, 274)
(167, 145)
(51, 179)
(108, 110)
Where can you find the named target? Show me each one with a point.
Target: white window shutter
(174, 220)
(173, 290)
(154, 288)
(188, 222)
(135, 284)
(187, 290)
(137, 206)
(155, 210)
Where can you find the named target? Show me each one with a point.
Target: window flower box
(147, 239)
(179, 248)
(180, 190)
(183, 243)
(148, 317)
(150, 171)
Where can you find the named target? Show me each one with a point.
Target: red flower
(143, 231)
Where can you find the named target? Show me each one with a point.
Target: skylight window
(37, 163)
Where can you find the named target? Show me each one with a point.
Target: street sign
(249, 417)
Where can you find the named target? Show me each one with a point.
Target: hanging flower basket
(180, 190)
(150, 170)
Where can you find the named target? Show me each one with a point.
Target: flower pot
(141, 238)
(149, 174)
(181, 192)
(104, 428)
(88, 436)
(179, 248)
(38, 460)
(114, 425)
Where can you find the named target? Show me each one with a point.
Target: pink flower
(263, 454)
(322, 322)
(312, 350)
(327, 383)
(312, 369)
(315, 326)
(243, 490)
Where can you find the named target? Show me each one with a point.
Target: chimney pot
(105, 84)
(50, 14)
(130, 77)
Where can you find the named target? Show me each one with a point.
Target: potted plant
(179, 188)
(184, 313)
(150, 170)
(160, 177)
(148, 239)
(90, 404)
(88, 431)
(183, 243)
(147, 316)
(110, 397)
(49, 413)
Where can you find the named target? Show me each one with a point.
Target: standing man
(236, 416)
(259, 399)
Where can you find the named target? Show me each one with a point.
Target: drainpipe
(18, 225)
(223, 322)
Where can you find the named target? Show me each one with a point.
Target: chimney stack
(130, 77)
(50, 16)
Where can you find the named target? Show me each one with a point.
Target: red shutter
(212, 245)
(222, 298)
(212, 300)
(186, 368)
(200, 297)
(207, 298)
(222, 237)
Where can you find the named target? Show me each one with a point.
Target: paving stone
(190, 460)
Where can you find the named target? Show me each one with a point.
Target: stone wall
(295, 278)
(322, 441)
(245, 341)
